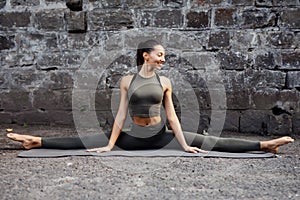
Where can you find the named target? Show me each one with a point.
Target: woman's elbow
(172, 120)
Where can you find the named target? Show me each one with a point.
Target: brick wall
(252, 45)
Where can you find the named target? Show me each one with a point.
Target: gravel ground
(146, 178)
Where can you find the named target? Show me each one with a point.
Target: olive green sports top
(145, 96)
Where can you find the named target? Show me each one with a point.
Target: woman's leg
(72, 142)
(214, 143)
(234, 144)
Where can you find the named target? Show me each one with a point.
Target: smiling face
(156, 58)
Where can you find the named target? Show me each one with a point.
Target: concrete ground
(146, 178)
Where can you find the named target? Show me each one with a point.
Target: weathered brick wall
(254, 44)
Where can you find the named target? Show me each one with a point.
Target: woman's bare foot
(273, 145)
(28, 141)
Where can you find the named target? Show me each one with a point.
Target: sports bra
(145, 96)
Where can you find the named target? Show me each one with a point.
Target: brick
(26, 78)
(46, 99)
(32, 118)
(76, 21)
(218, 98)
(14, 19)
(88, 80)
(50, 60)
(15, 100)
(265, 60)
(296, 123)
(12, 60)
(265, 3)
(268, 99)
(219, 40)
(199, 60)
(36, 42)
(290, 60)
(282, 40)
(142, 3)
(238, 99)
(280, 125)
(245, 40)
(146, 18)
(254, 121)
(110, 20)
(203, 97)
(60, 80)
(7, 42)
(174, 3)
(234, 80)
(2, 4)
(50, 20)
(195, 78)
(204, 122)
(183, 41)
(286, 3)
(198, 19)
(79, 40)
(3, 82)
(190, 120)
(5, 118)
(60, 117)
(290, 18)
(257, 18)
(16, 3)
(102, 100)
(197, 3)
(264, 79)
(233, 60)
(74, 5)
(225, 17)
(293, 79)
(232, 121)
(242, 2)
(111, 3)
(168, 19)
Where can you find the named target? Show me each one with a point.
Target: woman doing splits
(143, 94)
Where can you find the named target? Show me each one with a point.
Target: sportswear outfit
(145, 99)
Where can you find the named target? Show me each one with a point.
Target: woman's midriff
(146, 121)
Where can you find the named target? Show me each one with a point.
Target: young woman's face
(155, 58)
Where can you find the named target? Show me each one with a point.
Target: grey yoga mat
(48, 153)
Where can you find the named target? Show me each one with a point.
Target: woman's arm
(120, 117)
(173, 119)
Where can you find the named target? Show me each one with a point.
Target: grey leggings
(153, 137)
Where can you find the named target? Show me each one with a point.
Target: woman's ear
(146, 56)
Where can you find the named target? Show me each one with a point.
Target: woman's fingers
(97, 150)
(197, 150)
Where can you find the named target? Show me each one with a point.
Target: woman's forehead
(159, 48)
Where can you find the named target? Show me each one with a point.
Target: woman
(143, 94)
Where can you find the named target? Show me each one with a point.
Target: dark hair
(146, 46)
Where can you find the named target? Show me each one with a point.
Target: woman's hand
(100, 150)
(194, 150)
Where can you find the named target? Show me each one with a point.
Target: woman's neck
(146, 71)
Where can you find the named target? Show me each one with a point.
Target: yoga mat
(48, 153)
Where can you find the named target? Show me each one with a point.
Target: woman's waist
(146, 131)
(146, 121)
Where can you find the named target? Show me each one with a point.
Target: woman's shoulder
(127, 77)
(126, 80)
(165, 81)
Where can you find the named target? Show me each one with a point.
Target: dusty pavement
(146, 178)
